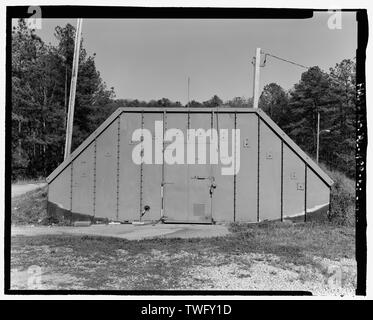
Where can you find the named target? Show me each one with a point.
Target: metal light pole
(318, 137)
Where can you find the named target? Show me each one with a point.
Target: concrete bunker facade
(276, 179)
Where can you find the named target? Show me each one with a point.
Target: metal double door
(188, 187)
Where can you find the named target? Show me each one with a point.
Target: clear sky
(152, 58)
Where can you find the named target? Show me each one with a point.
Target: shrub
(342, 198)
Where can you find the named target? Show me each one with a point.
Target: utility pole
(256, 78)
(74, 76)
(65, 104)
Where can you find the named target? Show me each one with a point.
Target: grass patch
(299, 239)
(30, 208)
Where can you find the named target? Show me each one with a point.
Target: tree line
(331, 95)
(41, 75)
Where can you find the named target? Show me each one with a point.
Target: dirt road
(19, 189)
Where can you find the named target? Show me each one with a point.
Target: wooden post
(256, 78)
(74, 75)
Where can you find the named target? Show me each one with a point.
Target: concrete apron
(127, 231)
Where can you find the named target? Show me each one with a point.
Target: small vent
(269, 155)
(300, 186)
(199, 209)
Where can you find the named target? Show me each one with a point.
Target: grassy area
(298, 240)
(30, 208)
(110, 263)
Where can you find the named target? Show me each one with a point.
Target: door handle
(199, 178)
(203, 178)
(212, 187)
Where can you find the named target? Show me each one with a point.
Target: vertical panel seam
(211, 165)
(258, 173)
(163, 165)
(71, 186)
(118, 167)
(141, 165)
(305, 192)
(188, 173)
(235, 166)
(94, 177)
(282, 180)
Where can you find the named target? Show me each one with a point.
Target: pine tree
(341, 149)
(41, 77)
(309, 97)
(274, 101)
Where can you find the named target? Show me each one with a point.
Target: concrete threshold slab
(127, 231)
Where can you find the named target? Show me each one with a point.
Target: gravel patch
(35, 279)
(263, 274)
